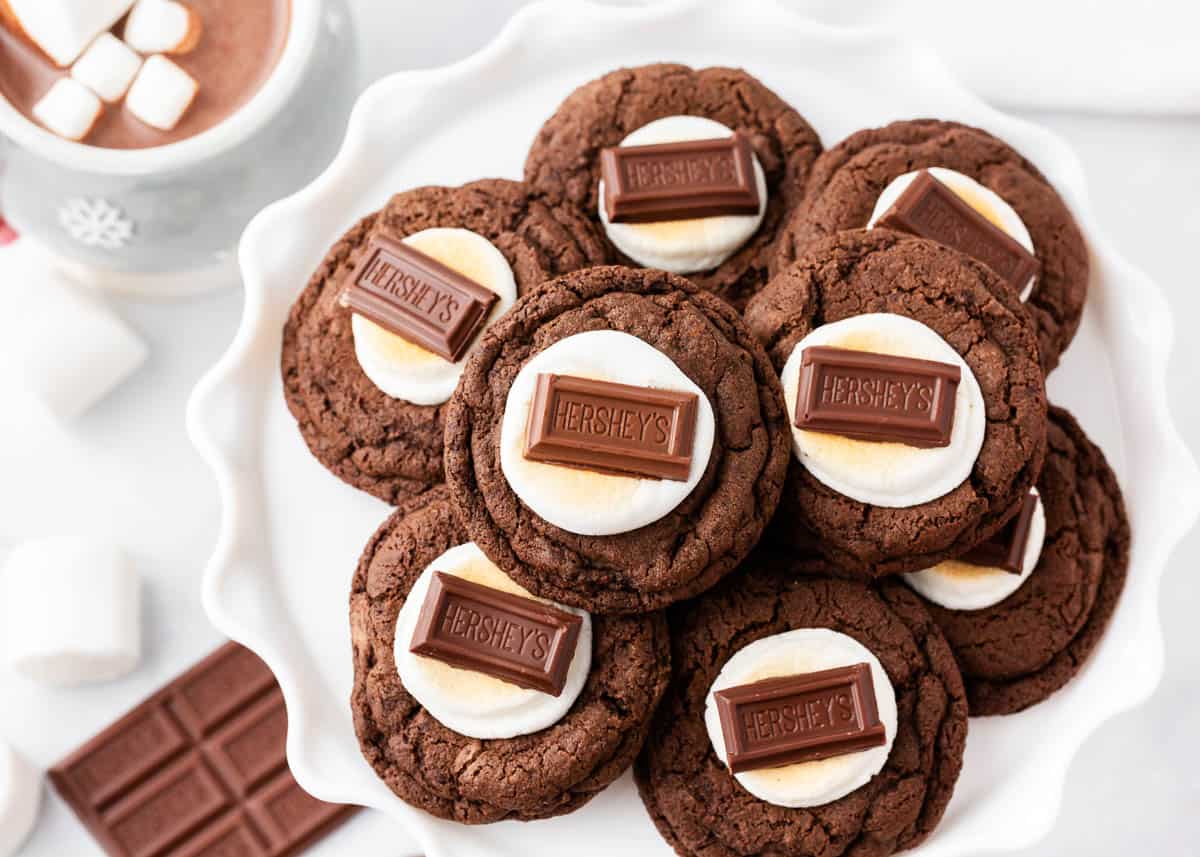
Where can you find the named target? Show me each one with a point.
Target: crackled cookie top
(877, 800)
(878, 507)
(370, 403)
(692, 441)
(1020, 649)
(725, 254)
(857, 181)
(463, 744)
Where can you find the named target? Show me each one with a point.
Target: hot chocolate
(164, 72)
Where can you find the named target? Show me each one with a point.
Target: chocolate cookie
(862, 272)
(696, 541)
(564, 161)
(1018, 652)
(847, 180)
(701, 809)
(386, 446)
(548, 772)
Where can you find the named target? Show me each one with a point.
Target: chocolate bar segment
(1006, 549)
(509, 637)
(799, 718)
(930, 209)
(611, 428)
(877, 397)
(198, 770)
(418, 298)
(678, 181)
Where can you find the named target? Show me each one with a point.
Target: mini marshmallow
(161, 93)
(107, 68)
(73, 350)
(20, 797)
(162, 27)
(63, 28)
(73, 611)
(69, 109)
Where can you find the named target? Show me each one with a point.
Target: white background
(127, 471)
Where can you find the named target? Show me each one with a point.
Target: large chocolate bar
(418, 298)
(678, 181)
(198, 770)
(799, 718)
(611, 428)
(929, 209)
(516, 639)
(1006, 549)
(879, 397)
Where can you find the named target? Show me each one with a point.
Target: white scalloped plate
(278, 580)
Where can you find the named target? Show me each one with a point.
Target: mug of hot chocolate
(142, 135)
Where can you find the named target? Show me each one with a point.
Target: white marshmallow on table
(891, 475)
(64, 28)
(107, 68)
(694, 244)
(472, 703)
(161, 93)
(72, 611)
(584, 501)
(958, 585)
(162, 27)
(798, 652)
(69, 109)
(20, 798)
(984, 200)
(405, 370)
(69, 350)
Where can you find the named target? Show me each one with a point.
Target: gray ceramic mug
(166, 221)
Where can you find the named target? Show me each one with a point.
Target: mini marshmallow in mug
(123, 213)
(162, 27)
(473, 703)
(585, 501)
(984, 200)
(957, 584)
(684, 246)
(20, 798)
(64, 28)
(107, 68)
(69, 109)
(405, 370)
(161, 93)
(889, 474)
(72, 611)
(798, 652)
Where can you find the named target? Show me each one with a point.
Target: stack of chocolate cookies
(713, 454)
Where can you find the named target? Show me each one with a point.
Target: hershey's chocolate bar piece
(611, 428)
(799, 718)
(516, 639)
(418, 298)
(198, 770)
(880, 397)
(1006, 549)
(929, 209)
(678, 181)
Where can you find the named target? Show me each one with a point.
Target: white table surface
(127, 471)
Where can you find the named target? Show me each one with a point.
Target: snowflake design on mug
(96, 223)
